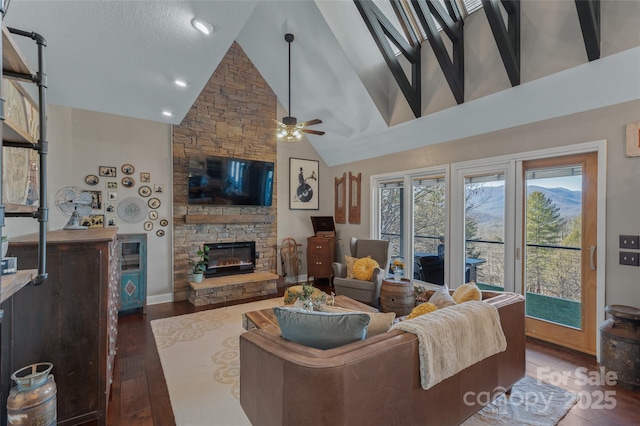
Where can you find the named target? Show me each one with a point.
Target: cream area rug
(200, 358)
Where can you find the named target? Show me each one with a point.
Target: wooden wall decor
(341, 199)
(355, 194)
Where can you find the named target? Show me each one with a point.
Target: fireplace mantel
(229, 218)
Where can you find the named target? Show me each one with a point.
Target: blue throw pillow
(321, 330)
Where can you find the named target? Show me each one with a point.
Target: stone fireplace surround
(232, 117)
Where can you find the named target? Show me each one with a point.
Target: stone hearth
(232, 287)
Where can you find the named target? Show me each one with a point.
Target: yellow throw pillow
(467, 292)
(421, 309)
(350, 262)
(379, 322)
(363, 268)
(441, 298)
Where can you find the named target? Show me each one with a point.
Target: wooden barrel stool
(397, 296)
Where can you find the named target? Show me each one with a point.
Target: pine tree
(544, 227)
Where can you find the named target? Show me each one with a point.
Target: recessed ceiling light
(202, 26)
(167, 113)
(181, 83)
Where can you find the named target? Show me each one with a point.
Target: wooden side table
(397, 296)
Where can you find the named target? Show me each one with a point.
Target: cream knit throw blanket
(453, 338)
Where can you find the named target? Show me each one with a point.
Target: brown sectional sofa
(375, 381)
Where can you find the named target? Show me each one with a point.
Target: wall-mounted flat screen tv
(230, 181)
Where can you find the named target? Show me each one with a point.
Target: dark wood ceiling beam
(384, 32)
(507, 36)
(452, 25)
(589, 16)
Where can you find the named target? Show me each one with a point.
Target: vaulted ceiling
(121, 57)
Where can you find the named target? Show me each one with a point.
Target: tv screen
(230, 181)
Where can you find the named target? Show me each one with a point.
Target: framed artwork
(153, 215)
(96, 199)
(160, 232)
(112, 195)
(128, 169)
(148, 226)
(91, 180)
(145, 177)
(109, 207)
(158, 187)
(633, 139)
(164, 222)
(107, 171)
(144, 191)
(112, 185)
(93, 221)
(154, 203)
(111, 221)
(128, 182)
(303, 184)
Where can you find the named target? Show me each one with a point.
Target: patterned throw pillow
(350, 262)
(421, 309)
(380, 322)
(363, 268)
(441, 298)
(467, 292)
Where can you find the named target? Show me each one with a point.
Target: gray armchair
(363, 291)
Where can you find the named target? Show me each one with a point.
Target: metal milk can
(620, 344)
(33, 400)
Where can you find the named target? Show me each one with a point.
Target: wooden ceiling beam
(589, 16)
(507, 36)
(452, 24)
(383, 32)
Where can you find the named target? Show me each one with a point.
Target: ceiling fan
(289, 129)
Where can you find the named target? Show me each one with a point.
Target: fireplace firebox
(231, 258)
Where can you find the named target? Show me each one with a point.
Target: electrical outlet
(629, 258)
(629, 242)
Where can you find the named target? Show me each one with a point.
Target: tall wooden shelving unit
(14, 67)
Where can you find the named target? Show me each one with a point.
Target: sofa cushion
(363, 268)
(380, 322)
(350, 261)
(321, 330)
(441, 298)
(421, 309)
(467, 292)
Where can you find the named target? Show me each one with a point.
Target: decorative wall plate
(128, 169)
(164, 222)
(160, 232)
(148, 226)
(132, 210)
(128, 182)
(91, 180)
(153, 215)
(144, 191)
(154, 203)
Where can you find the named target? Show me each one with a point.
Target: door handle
(592, 251)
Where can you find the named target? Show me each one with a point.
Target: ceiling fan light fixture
(203, 26)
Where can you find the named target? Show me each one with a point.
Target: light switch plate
(630, 241)
(629, 258)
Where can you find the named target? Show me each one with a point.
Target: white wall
(79, 142)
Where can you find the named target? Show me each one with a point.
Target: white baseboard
(160, 298)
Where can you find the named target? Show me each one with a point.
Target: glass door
(559, 234)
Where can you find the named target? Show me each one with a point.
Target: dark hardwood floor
(139, 393)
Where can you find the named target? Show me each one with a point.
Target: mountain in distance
(490, 201)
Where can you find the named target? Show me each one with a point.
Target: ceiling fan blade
(311, 122)
(313, 132)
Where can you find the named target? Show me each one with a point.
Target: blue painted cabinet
(133, 271)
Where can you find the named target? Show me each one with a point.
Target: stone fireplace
(231, 258)
(232, 117)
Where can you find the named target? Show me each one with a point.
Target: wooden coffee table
(266, 320)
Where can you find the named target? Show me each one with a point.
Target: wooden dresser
(71, 320)
(321, 248)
